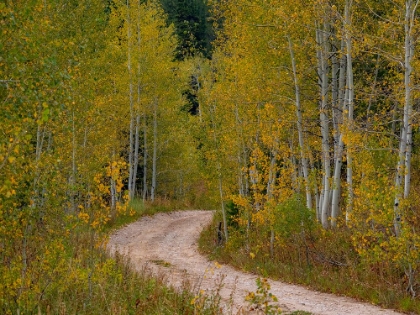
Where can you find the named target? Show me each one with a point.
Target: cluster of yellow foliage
(281, 126)
(63, 168)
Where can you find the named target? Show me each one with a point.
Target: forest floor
(167, 245)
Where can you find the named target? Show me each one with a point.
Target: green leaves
(45, 114)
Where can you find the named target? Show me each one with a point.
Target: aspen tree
(405, 146)
(347, 110)
(350, 104)
(138, 110)
(322, 33)
(302, 146)
(132, 140)
(154, 154)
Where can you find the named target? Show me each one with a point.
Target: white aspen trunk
(154, 157)
(200, 104)
(410, 14)
(40, 135)
(321, 199)
(253, 176)
(145, 158)
(136, 154)
(342, 82)
(271, 175)
(323, 78)
(225, 228)
(398, 180)
(131, 176)
(338, 112)
(302, 146)
(245, 173)
(407, 177)
(73, 168)
(253, 173)
(219, 170)
(137, 117)
(334, 95)
(346, 109)
(316, 193)
(404, 154)
(336, 192)
(113, 191)
(408, 151)
(242, 180)
(338, 162)
(270, 187)
(350, 107)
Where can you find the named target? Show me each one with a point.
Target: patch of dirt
(167, 243)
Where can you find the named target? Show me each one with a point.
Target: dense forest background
(299, 120)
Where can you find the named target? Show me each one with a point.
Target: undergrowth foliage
(305, 253)
(262, 299)
(74, 274)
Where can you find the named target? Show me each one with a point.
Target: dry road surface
(167, 243)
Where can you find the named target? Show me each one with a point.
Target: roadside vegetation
(76, 275)
(306, 254)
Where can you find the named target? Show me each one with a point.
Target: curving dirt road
(167, 243)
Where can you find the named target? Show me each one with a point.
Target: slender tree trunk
(113, 192)
(219, 170)
(225, 228)
(137, 117)
(302, 146)
(338, 113)
(316, 192)
(336, 192)
(242, 180)
(40, 136)
(145, 156)
(335, 95)
(154, 157)
(323, 81)
(253, 176)
(347, 109)
(135, 154)
(410, 41)
(131, 175)
(404, 154)
(350, 107)
(270, 187)
(73, 168)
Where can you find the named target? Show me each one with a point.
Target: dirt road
(168, 243)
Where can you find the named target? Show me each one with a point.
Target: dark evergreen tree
(191, 20)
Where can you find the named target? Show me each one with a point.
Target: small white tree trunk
(145, 156)
(323, 81)
(302, 146)
(349, 106)
(270, 187)
(131, 145)
(338, 113)
(154, 158)
(404, 154)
